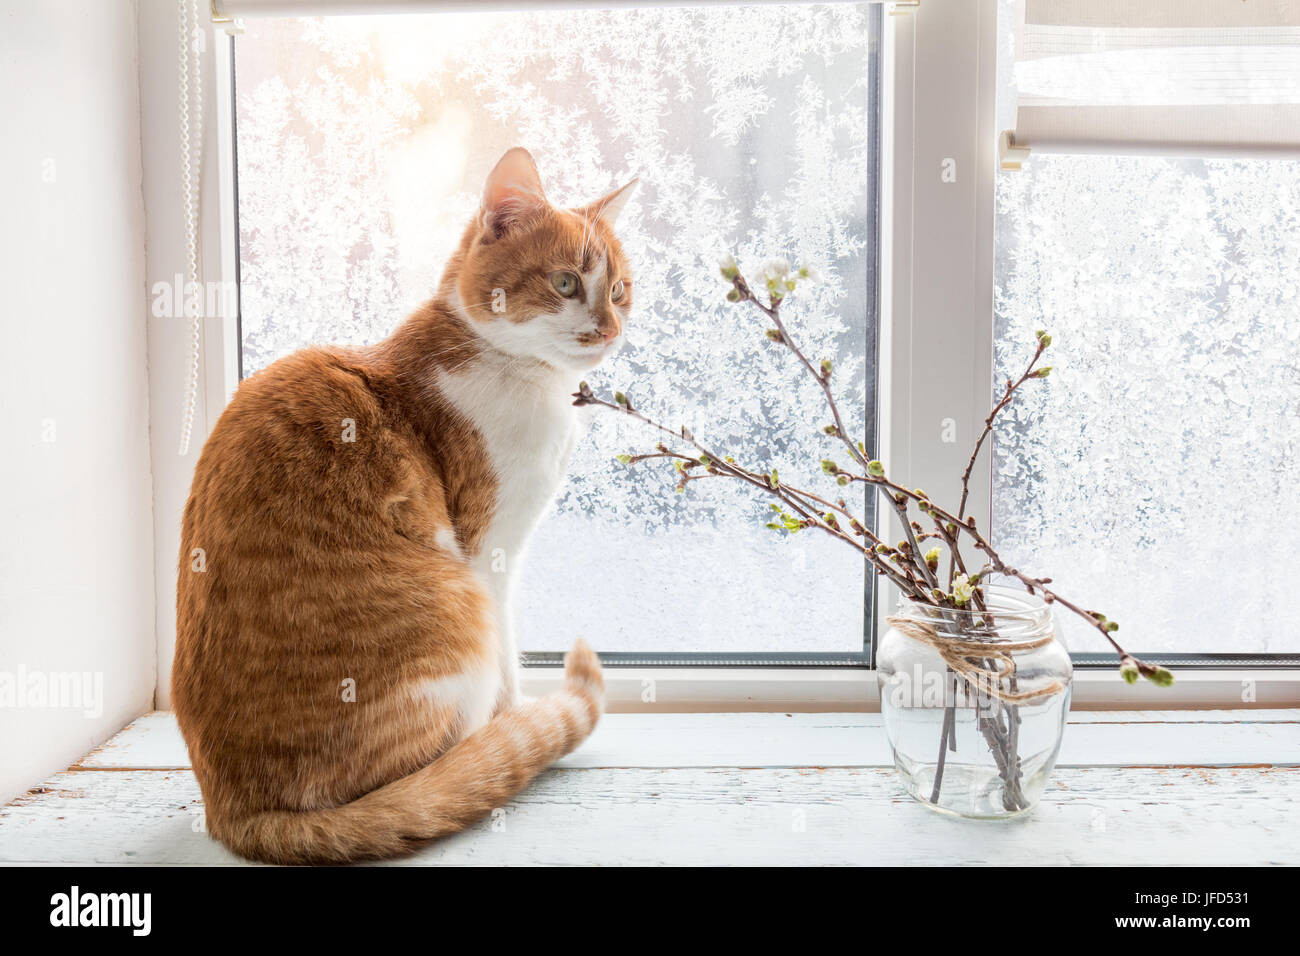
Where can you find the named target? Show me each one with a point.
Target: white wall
(76, 517)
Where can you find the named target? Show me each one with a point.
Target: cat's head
(542, 282)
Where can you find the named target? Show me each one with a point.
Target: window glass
(362, 144)
(1157, 472)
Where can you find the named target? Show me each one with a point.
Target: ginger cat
(345, 673)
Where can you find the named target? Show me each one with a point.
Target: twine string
(996, 662)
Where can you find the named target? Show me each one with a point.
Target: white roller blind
(1176, 77)
(229, 9)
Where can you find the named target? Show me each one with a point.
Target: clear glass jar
(974, 702)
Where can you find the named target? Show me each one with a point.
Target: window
(884, 173)
(361, 146)
(1159, 467)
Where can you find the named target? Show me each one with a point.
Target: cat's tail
(477, 775)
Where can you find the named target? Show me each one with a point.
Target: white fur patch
(525, 415)
(472, 694)
(446, 540)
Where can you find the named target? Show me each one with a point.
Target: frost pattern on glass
(1156, 474)
(362, 147)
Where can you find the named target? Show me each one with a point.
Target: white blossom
(776, 270)
(962, 589)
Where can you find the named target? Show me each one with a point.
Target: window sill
(662, 690)
(755, 789)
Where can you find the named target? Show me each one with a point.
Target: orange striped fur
(345, 673)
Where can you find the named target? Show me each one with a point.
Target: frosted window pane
(362, 145)
(1156, 476)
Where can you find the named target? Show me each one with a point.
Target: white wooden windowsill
(1148, 788)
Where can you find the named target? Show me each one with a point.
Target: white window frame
(938, 98)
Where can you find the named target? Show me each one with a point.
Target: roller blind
(1175, 77)
(230, 9)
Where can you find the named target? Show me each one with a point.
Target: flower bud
(1161, 677)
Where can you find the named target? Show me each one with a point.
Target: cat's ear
(608, 207)
(513, 192)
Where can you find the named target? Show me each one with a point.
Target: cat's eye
(566, 283)
(616, 291)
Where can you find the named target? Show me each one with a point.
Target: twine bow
(957, 653)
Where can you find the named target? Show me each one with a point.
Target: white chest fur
(526, 419)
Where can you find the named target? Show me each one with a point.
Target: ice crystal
(1155, 475)
(362, 144)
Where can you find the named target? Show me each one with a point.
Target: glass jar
(974, 702)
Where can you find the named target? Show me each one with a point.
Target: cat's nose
(608, 333)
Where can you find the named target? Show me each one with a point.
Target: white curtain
(1175, 77)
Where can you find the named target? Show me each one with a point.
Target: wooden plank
(1180, 744)
(621, 740)
(1169, 738)
(151, 742)
(729, 816)
(144, 816)
(735, 740)
(1243, 716)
